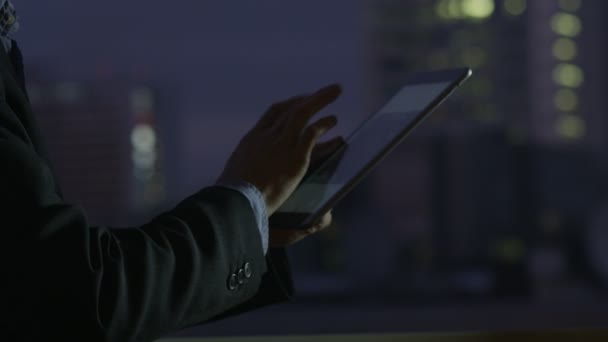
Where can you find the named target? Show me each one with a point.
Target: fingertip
(334, 89)
(328, 126)
(315, 131)
(336, 86)
(325, 124)
(332, 120)
(334, 142)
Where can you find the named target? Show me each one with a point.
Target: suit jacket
(63, 280)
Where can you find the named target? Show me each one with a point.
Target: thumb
(327, 147)
(314, 132)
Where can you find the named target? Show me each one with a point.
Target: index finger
(277, 110)
(305, 110)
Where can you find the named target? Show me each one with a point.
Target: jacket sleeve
(68, 281)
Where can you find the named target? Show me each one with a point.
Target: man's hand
(275, 155)
(323, 151)
(282, 237)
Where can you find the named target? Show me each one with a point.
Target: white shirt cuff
(256, 199)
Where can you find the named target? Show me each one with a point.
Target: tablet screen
(364, 145)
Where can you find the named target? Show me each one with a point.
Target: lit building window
(566, 24)
(570, 5)
(144, 159)
(448, 9)
(515, 7)
(478, 9)
(464, 9)
(566, 100)
(143, 175)
(564, 49)
(571, 127)
(143, 138)
(568, 75)
(144, 153)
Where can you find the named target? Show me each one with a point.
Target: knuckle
(248, 136)
(318, 130)
(275, 106)
(296, 99)
(318, 127)
(314, 130)
(310, 135)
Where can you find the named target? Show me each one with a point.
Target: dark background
(493, 215)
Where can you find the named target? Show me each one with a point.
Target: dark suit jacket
(63, 280)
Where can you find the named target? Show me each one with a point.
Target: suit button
(241, 276)
(232, 282)
(248, 270)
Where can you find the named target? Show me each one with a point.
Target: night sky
(223, 62)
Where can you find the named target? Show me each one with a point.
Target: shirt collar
(9, 22)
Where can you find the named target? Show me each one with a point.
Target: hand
(323, 151)
(282, 237)
(275, 155)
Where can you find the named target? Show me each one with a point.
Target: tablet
(322, 188)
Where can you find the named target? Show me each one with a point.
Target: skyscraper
(538, 65)
(536, 87)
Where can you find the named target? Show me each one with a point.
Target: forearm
(258, 205)
(182, 263)
(139, 282)
(68, 280)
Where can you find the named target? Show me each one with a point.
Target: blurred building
(530, 106)
(567, 68)
(532, 61)
(103, 142)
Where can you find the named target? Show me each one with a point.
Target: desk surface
(583, 336)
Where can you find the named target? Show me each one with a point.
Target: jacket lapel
(18, 101)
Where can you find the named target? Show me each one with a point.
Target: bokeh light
(568, 75)
(515, 7)
(571, 127)
(566, 100)
(564, 49)
(566, 24)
